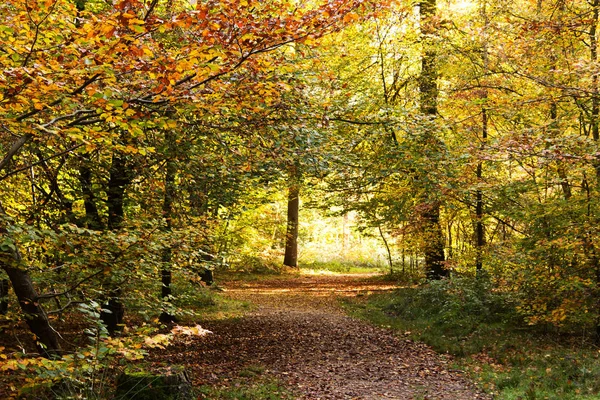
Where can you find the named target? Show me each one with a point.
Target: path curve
(300, 335)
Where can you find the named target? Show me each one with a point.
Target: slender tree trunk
(433, 234)
(594, 128)
(119, 178)
(35, 316)
(170, 171)
(344, 234)
(450, 240)
(65, 204)
(387, 247)
(560, 169)
(403, 254)
(118, 181)
(4, 288)
(479, 225)
(27, 296)
(291, 237)
(92, 216)
(434, 244)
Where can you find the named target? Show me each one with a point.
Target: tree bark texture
(433, 234)
(169, 196)
(35, 316)
(119, 178)
(291, 237)
(480, 239)
(92, 216)
(595, 131)
(4, 288)
(479, 226)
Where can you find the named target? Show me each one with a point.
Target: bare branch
(355, 122)
(14, 149)
(63, 117)
(78, 90)
(69, 304)
(150, 9)
(16, 171)
(85, 121)
(69, 290)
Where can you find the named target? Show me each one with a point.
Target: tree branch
(69, 290)
(69, 304)
(14, 149)
(16, 171)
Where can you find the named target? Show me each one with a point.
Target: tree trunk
(387, 248)
(35, 316)
(4, 288)
(595, 130)
(434, 244)
(92, 216)
(479, 226)
(434, 237)
(170, 171)
(291, 237)
(119, 178)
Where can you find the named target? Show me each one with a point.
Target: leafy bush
(449, 314)
(257, 264)
(455, 299)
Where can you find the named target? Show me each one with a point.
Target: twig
(16, 171)
(69, 304)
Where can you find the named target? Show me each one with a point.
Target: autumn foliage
(132, 133)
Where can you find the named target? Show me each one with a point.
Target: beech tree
(91, 81)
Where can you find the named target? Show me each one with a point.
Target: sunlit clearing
(462, 6)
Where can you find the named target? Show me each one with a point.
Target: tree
(91, 81)
(434, 237)
(291, 236)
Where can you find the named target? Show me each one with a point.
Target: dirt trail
(300, 335)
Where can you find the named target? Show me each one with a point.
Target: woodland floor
(299, 334)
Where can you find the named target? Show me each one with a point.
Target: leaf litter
(300, 335)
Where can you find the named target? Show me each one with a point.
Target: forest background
(145, 141)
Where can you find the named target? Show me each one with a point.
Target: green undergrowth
(193, 301)
(270, 269)
(210, 305)
(256, 265)
(241, 275)
(250, 273)
(341, 267)
(466, 318)
(252, 384)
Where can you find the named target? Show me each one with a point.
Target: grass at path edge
(504, 356)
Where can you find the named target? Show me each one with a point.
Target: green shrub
(469, 318)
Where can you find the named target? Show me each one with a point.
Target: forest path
(300, 334)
